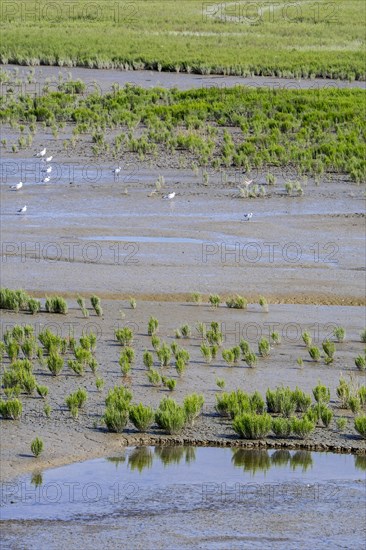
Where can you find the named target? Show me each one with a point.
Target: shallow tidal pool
(191, 497)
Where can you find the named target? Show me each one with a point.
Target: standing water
(187, 497)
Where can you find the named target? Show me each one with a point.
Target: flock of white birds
(46, 170)
(116, 171)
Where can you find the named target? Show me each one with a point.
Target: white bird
(17, 186)
(117, 170)
(48, 170)
(48, 159)
(22, 210)
(247, 182)
(248, 217)
(46, 180)
(169, 196)
(41, 153)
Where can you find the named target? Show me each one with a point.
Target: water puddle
(151, 480)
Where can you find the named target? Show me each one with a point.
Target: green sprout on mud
(360, 362)
(264, 347)
(133, 303)
(220, 383)
(339, 334)
(81, 303)
(196, 298)
(153, 326)
(263, 303)
(37, 446)
(148, 359)
(214, 300)
(329, 350)
(99, 384)
(42, 391)
(306, 338)
(96, 305)
(237, 302)
(314, 353)
(124, 336)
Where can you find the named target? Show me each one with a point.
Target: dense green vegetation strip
(312, 131)
(289, 39)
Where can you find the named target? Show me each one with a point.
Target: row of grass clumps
(253, 417)
(19, 300)
(169, 416)
(241, 127)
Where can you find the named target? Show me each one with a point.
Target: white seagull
(46, 180)
(117, 170)
(41, 153)
(170, 196)
(22, 210)
(48, 170)
(17, 186)
(247, 183)
(248, 217)
(48, 159)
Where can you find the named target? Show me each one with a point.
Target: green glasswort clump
(141, 417)
(252, 426)
(343, 392)
(250, 359)
(192, 405)
(133, 303)
(47, 410)
(307, 338)
(81, 303)
(96, 305)
(302, 427)
(220, 383)
(329, 350)
(154, 377)
(314, 353)
(99, 384)
(117, 408)
(360, 425)
(354, 404)
(155, 342)
(37, 446)
(55, 363)
(153, 326)
(264, 347)
(185, 330)
(321, 394)
(196, 298)
(360, 362)
(326, 416)
(170, 416)
(206, 352)
(339, 334)
(237, 302)
(263, 303)
(214, 300)
(244, 346)
(164, 355)
(169, 383)
(363, 336)
(276, 338)
(42, 391)
(148, 359)
(228, 356)
(124, 336)
(281, 427)
(56, 304)
(341, 423)
(11, 409)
